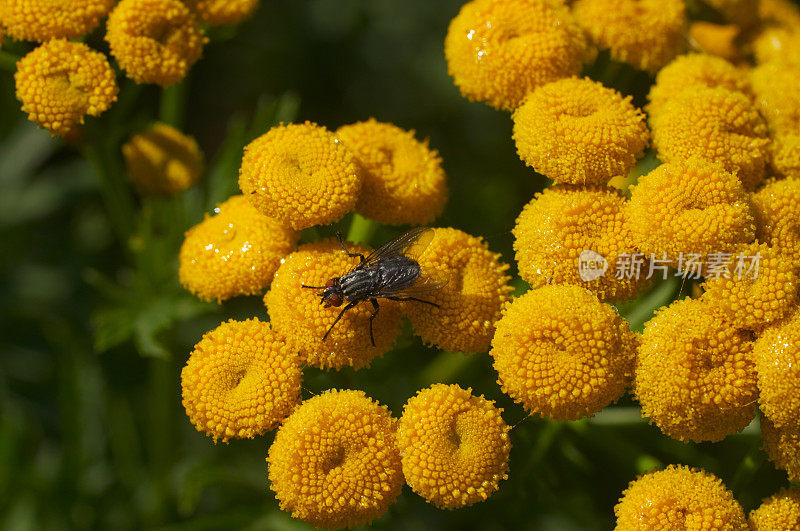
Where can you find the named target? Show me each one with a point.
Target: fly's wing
(411, 243)
(428, 281)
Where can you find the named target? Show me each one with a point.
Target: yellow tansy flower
(757, 287)
(60, 82)
(42, 20)
(692, 207)
(300, 174)
(778, 44)
(403, 177)
(779, 12)
(776, 95)
(777, 360)
(296, 312)
(716, 124)
(562, 353)
(162, 160)
(565, 221)
(220, 12)
(154, 41)
(694, 376)
(454, 446)
(785, 150)
(335, 461)
(782, 446)
(234, 252)
(740, 12)
(776, 207)
(779, 511)
(678, 497)
(578, 131)
(240, 381)
(647, 33)
(692, 70)
(471, 301)
(716, 39)
(499, 50)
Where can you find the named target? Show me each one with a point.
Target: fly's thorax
(360, 284)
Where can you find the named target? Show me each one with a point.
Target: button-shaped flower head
(60, 82)
(757, 286)
(778, 44)
(300, 174)
(566, 223)
(298, 314)
(776, 96)
(562, 353)
(42, 20)
(163, 160)
(470, 303)
(403, 177)
(499, 50)
(776, 207)
(716, 124)
(646, 33)
(678, 497)
(779, 13)
(779, 511)
(454, 446)
(221, 12)
(785, 150)
(782, 446)
(691, 207)
(335, 461)
(777, 361)
(234, 252)
(240, 381)
(719, 40)
(154, 41)
(694, 375)
(577, 131)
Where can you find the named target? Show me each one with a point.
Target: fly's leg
(350, 305)
(372, 317)
(412, 299)
(312, 287)
(351, 255)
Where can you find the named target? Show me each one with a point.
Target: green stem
(172, 106)
(8, 61)
(750, 465)
(361, 229)
(162, 394)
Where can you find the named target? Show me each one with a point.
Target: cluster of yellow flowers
(154, 41)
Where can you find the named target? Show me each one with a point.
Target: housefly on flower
(389, 272)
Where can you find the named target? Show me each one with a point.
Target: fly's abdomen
(397, 273)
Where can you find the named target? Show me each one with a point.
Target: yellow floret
(578, 131)
(776, 207)
(296, 312)
(335, 461)
(782, 446)
(694, 70)
(692, 207)
(646, 33)
(163, 160)
(470, 303)
(60, 82)
(235, 252)
(221, 12)
(778, 44)
(777, 360)
(300, 174)
(565, 222)
(42, 20)
(757, 287)
(716, 39)
(776, 96)
(562, 353)
(714, 123)
(779, 511)
(403, 177)
(499, 50)
(679, 497)
(240, 381)
(154, 41)
(454, 446)
(785, 151)
(694, 376)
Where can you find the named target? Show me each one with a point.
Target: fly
(389, 272)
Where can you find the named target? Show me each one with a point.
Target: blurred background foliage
(95, 328)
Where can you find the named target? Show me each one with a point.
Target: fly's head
(332, 295)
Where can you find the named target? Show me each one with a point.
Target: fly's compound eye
(333, 300)
(329, 284)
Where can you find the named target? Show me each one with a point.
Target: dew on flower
(694, 374)
(678, 497)
(240, 381)
(301, 174)
(776, 96)
(499, 50)
(222, 12)
(154, 41)
(234, 252)
(785, 154)
(782, 446)
(454, 446)
(779, 511)
(335, 461)
(577, 131)
(776, 207)
(42, 20)
(777, 360)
